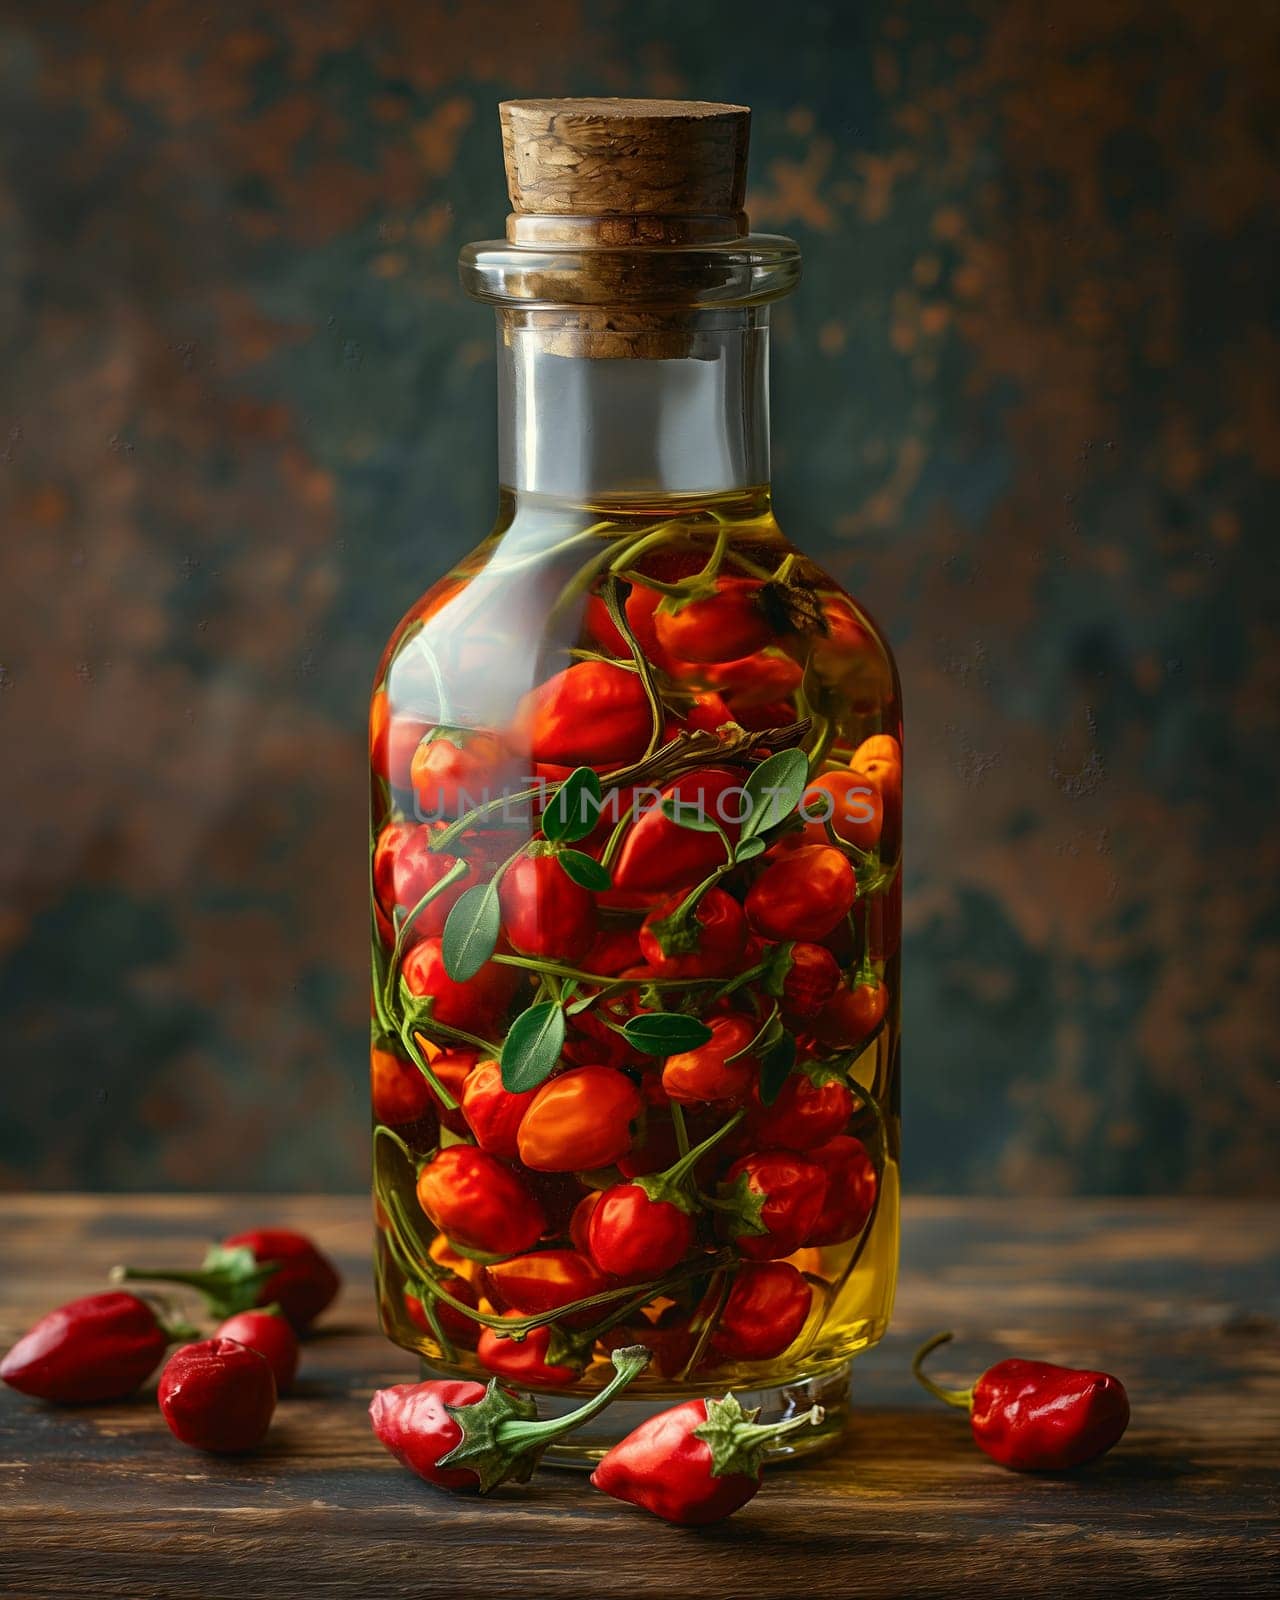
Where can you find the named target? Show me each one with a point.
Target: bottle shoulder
(723, 607)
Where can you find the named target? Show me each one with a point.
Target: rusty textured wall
(1025, 405)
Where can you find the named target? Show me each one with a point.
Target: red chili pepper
(724, 626)
(455, 1325)
(401, 1095)
(405, 868)
(580, 1219)
(272, 1336)
(769, 1202)
(580, 1120)
(454, 770)
(718, 1070)
(536, 1358)
(643, 1228)
(614, 950)
(593, 712)
(262, 1267)
(493, 1113)
(471, 1006)
(1034, 1416)
(479, 1202)
(696, 1463)
(547, 1280)
(98, 1348)
(708, 942)
(658, 853)
(452, 1068)
(709, 711)
(633, 1235)
(847, 801)
(851, 1189)
(853, 1014)
(802, 894)
(811, 980)
(765, 678)
(393, 740)
(812, 1107)
(218, 1395)
(472, 1436)
(766, 1309)
(544, 912)
(879, 759)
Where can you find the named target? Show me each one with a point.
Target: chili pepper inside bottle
(1034, 1416)
(611, 932)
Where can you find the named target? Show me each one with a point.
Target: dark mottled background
(1026, 407)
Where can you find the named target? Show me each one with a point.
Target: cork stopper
(608, 198)
(630, 171)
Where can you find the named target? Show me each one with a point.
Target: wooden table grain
(1179, 1297)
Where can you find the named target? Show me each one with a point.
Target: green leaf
(665, 1033)
(779, 966)
(575, 809)
(689, 814)
(585, 870)
(749, 848)
(774, 789)
(471, 933)
(532, 1049)
(775, 1067)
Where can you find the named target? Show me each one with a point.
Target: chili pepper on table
(580, 1120)
(695, 1463)
(802, 894)
(1034, 1416)
(269, 1333)
(472, 1436)
(100, 1347)
(479, 1201)
(257, 1268)
(218, 1395)
(544, 912)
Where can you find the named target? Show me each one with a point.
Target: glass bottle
(636, 835)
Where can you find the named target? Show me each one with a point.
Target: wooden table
(1179, 1297)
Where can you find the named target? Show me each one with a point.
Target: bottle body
(636, 757)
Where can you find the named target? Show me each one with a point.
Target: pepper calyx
(480, 1448)
(740, 1208)
(738, 1443)
(962, 1399)
(230, 1278)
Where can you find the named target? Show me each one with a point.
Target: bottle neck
(577, 425)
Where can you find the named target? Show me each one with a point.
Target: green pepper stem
(628, 1363)
(962, 1399)
(758, 1433)
(676, 1173)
